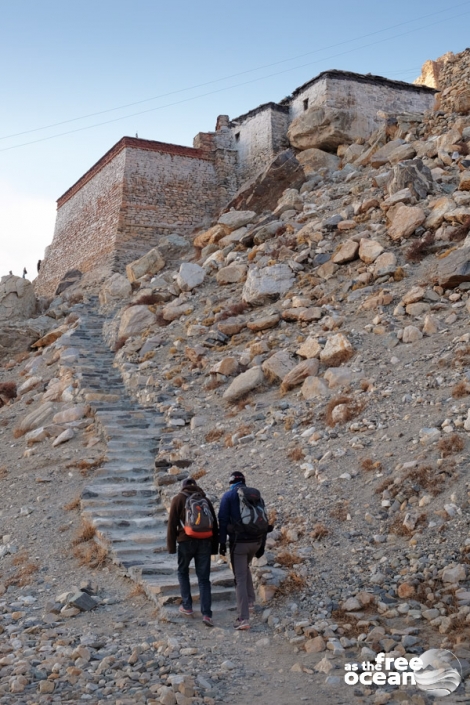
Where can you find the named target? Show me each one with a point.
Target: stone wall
(257, 138)
(364, 95)
(86, 225)
(139, 191)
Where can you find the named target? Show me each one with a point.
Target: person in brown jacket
(188, 547)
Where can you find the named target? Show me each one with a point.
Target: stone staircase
(122, 500)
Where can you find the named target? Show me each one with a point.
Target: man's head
(189, 482)
(236, 477)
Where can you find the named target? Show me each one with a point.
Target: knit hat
(188, 483)
(235, 477)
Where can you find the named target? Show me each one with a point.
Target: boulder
(264, 322)
(277, 366)
(69, 279)
(231, 326)
(312, 160)
(454, 269)
(386, 263)
(117, 287)
(174, 310)
(347, 252)
(454, 574)
(337, 350)
(338, 377)
(189, 276)
(50, 337)
(150, 263)
(382, 155)
(266, 283)
(17, 298)
(63, 437)
(304, 369)
(232, 274)
(244, 383)
(313, 388)
(369, 250)
(228, 366)
(73, 413)
(290, 200)
(412, 174)
(411, 334)
(402, 153)
(236, 219)
(464, 184)
(310, 348)
(134, 320)
(440, 208)
(263, 192)
(265, 232)
(38, 417)
(16, 337)
(213, 235)
(326, 128)
(404, 220)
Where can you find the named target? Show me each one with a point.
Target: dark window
(237, 137)
(305, 103)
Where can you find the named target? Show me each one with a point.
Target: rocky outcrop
(17, 298)
(326, 128)
(263, 192)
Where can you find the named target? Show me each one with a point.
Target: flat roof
(265, 106)
(358, 78)
(134, 143)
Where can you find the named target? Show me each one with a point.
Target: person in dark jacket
(188, 548)
(243, 548)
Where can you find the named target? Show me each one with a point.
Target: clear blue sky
(62, 60)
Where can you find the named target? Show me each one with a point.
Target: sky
(76, 77)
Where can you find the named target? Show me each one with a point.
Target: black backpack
(254, 518)
(198, 520)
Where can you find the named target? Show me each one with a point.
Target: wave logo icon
(439, 673)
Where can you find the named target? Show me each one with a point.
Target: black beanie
(188, 482)
(235, 477)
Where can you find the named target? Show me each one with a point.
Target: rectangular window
(237, 137)
(305, 104)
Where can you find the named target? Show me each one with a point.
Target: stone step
(121, 509)
(117, 523)
(145, 536)
(218, 594)
(117, 490)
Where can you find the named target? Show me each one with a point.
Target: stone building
(141, 189)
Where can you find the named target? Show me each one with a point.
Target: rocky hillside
(316, 339)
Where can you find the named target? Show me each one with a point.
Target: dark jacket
(229, 514)
(175, 530)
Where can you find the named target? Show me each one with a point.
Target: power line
(226, 78)
(220, 90)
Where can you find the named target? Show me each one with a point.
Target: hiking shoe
(183, 610)
(242, 625)
(207, 621)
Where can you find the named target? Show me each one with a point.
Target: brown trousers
(241, 556)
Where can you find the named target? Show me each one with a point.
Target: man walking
(192, 533)
(242, 517)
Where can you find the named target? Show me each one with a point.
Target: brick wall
(86, 225)
(117, 211)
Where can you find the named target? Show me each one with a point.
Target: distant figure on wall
(24, 272)
(10, 273)
(39, 265)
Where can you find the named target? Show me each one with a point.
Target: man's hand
(223, 549)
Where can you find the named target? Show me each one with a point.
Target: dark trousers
(241, 556)
(200, 550)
